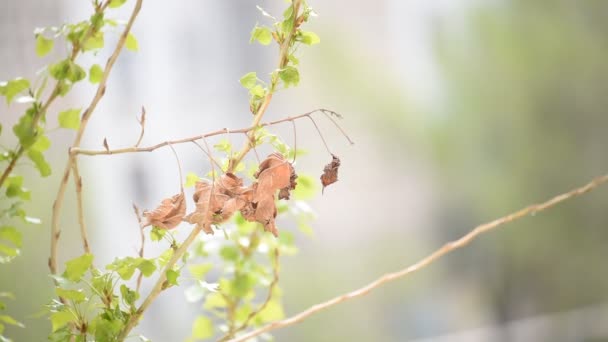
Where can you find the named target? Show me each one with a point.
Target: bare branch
(426, 261)
(134, 149)
(143, 241)
(142, 123)
(81, 222)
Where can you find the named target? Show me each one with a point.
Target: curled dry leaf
(330, 172)
(217, 202)
(168, 214)
(275, 173)
(284, 193)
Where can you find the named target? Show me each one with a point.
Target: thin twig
(179, 168)
(320, 135)
(101, 89)
(81, 222)
(78, 150)
(211, 159)
(143, 241)
(426, 261)
(295, 142)
(142, 123)
(328, 113)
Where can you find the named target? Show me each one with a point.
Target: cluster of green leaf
(30, 129)
(288, 35)
(96, 304)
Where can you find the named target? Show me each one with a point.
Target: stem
(283, 59)
(133, 149)
(55, 231)
(426, 261)
(160, 283)
(81, 222)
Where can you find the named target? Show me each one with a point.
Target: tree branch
(55, 231)
(81, 221)
(445, 249)
(135, 149)
(283, 60)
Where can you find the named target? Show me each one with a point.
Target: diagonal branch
(426, 261)
(101, 89)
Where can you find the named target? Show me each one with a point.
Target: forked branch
(136, 149)
(426, 261)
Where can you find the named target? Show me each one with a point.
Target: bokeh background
(461, 110)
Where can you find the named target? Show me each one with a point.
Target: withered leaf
(285, 192)
(330, 172)
(168, 214)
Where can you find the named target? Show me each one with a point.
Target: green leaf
(13, 87)
(172, 276)
(128, 295)
(75, 268)
(42, 144)
(191, 179)
(309, 38)
(43, 45)
(290, 76)
(76, 295)
(10, 320)
(261, 34)
(95, 74)
(272, 311)
(106, 329)
(14, 188)
(70, 118)
(202, 328)
(41, 164)
(94, 42)
(199, 271)
(223, 146)
(117, 3)
(214, 300)
(61, 318)
(157, 234)
(131, 43)
(249, 80)
(12, 235)
(229, 253)
(258, 91)
(66, 69)
(25, 130)
(147, 267)
(126, 267)
(242, 284)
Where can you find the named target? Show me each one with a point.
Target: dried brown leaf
(274, 173)
(330, 172)
(285, 192)
(168, 214)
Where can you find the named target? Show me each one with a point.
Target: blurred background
(462, 111)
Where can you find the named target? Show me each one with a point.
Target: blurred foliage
(524, 119)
